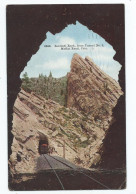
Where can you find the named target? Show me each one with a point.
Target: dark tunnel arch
(26, 29)
(43, 147)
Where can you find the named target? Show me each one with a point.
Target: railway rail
(80, 170)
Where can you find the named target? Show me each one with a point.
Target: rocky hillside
(82, 124)
(90, 90)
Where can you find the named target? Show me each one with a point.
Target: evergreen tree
(26, 82)
(50, 75)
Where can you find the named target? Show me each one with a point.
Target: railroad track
(79, 170)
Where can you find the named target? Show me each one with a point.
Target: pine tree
(26, 83)
(50, 75)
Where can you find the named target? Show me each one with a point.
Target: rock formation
(91, 96)
(90, 89)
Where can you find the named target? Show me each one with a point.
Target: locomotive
(43, 146)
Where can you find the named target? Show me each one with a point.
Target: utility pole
(64, 149)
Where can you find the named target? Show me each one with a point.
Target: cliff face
(82, 125)
(89, 87)
(92, 91)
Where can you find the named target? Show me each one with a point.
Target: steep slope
(34, 115)
(92, 91)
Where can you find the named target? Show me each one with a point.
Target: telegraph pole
(64, 149)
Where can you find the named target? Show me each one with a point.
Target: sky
(58, 61)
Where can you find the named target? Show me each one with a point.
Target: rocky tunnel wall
(27, 26)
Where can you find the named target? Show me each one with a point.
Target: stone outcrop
(92, 91)
(82, 125)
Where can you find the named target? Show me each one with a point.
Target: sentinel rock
(91, 96)
(92, 91)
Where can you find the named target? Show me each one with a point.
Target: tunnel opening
(43, 146)
(111, 35)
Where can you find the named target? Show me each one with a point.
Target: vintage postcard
(66, 97)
